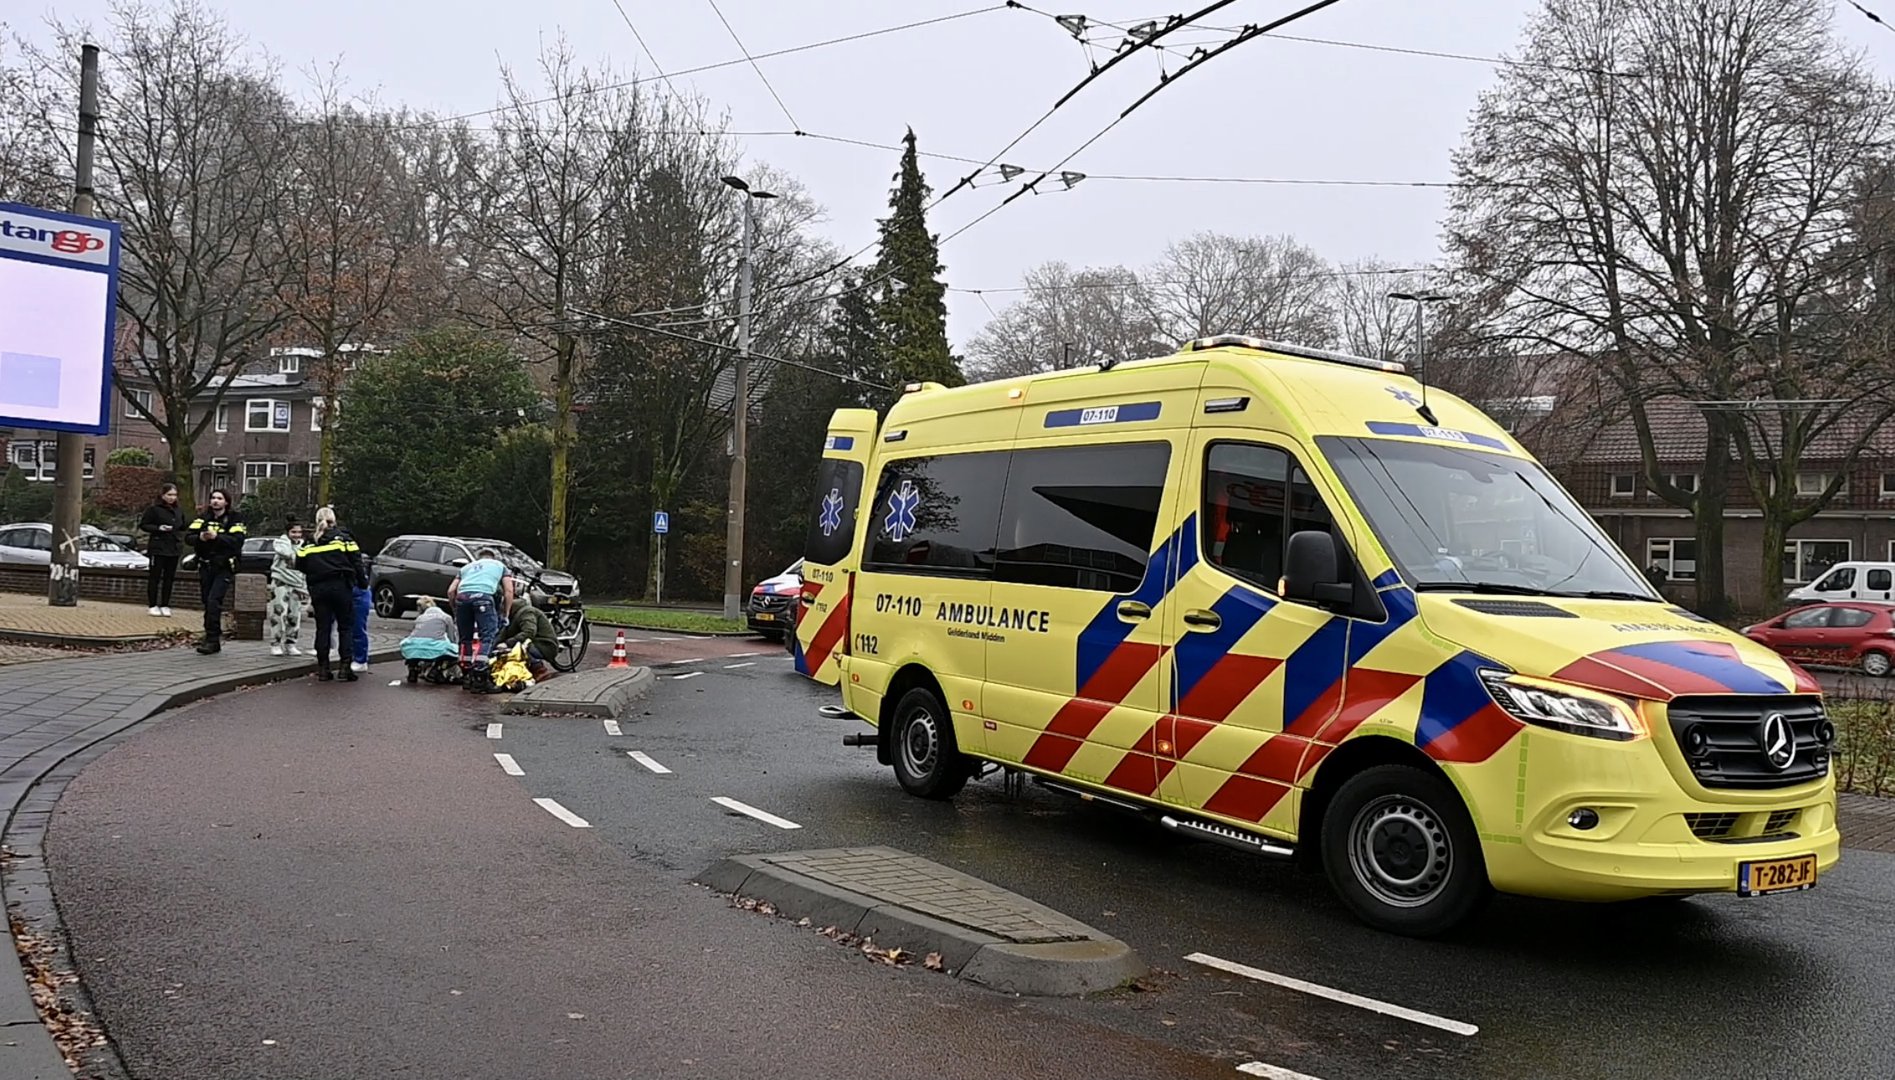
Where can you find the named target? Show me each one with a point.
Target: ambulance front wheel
(927, 761)
(1401, 851)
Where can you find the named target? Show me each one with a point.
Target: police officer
(217, 536)
(333, 567)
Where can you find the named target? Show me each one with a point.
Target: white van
(1872, 581)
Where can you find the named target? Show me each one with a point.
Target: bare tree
(1068, 319)
(347, 244)
(1269, 286)
(187, 165)
(560, 174)
(1665, 188)
(31, 170)
(1368, 323)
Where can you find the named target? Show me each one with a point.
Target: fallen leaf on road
(803, 921)
(1169, 1023)
(934, 962)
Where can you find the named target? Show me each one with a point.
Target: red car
(1833, 635)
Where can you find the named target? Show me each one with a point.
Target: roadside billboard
(58, 286)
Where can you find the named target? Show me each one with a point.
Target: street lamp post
(1421, 340)
(740, 409)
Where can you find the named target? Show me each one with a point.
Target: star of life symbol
(1402, 396)
(831, 519)
(900, 522)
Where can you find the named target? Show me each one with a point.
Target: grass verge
(689, 622)
(1865, 732)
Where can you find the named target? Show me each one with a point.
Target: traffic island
(979, 931)
(597, 693)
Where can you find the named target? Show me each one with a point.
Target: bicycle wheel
(575, 637)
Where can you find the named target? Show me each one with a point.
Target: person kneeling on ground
(432, 645)
(529, 626)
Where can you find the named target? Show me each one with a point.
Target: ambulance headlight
(1571, 709)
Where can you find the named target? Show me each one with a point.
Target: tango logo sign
(64, 241)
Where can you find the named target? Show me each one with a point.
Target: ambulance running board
(1224, 834)
(1091, 796)
(835, 712)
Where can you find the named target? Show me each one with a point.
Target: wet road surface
(397, 861)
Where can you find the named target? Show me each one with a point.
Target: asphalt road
(327, 879)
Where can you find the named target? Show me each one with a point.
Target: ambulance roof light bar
(1245, 341)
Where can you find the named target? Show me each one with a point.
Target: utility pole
(740, 410)
(62, 589)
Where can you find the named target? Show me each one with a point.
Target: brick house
(267, 425)
(1593, 450)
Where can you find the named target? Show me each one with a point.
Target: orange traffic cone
(618, 652)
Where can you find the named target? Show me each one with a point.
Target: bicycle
(570, 624)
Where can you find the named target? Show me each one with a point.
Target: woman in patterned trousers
(287, 587)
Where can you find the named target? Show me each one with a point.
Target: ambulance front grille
(1721, 737)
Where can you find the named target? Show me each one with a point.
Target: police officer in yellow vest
(333, 567)
(217, 535)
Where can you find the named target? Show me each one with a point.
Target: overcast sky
(1268, 109)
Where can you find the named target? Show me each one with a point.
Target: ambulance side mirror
(1311, 574)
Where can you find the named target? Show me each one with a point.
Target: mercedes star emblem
(1777, 740)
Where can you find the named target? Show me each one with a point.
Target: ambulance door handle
(1200, 619)
(1133, 611)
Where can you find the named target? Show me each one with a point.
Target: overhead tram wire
(593, 315)
(655, 65)
(754, 66)
(1250, 33)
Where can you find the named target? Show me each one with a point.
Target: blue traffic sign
(660, 522)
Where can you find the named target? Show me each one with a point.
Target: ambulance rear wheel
(927, 761)
(1401, 851)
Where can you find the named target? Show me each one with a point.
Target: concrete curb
(30, 785)
(69, 641)
(597, 693)
(1048, 969)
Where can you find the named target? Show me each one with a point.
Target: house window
(1888, 485)
(135, 399)
(289, 365)
(223, 418)
(89, 460)
(1686, 482)
(316, 407)
(1806, 560)
(256, 472)
(266, 414)
(1810, 484)
(1676, 556)
(220, 467)
(35, 460)
(1623, 485)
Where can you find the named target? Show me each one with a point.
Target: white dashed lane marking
(552, 807)
(734, 667)
(688, 675)
(761, 815)
(612, 728)
(1315, 990)
(1271, 1072)
(493, 730)
(508, 765)
(645, 759)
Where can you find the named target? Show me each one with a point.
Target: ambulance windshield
(1455, 518)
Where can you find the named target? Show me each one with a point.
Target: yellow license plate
(764, 616)
(1776, 875)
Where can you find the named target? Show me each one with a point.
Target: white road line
(612, 728)
(508, 765)
(632, 641)
(670, 639)
(761, 815)
(1271, 1072)
(493, 730)
(741, 655)
(552, 807)
(1428, 1019)
(688, 675)
(645, 759)
(734, 667)
(693, 660)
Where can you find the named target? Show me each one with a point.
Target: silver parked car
(30, 543)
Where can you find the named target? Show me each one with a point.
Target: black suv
(410, 567)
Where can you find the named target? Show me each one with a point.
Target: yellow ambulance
(1294, 601)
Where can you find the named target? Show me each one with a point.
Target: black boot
(347, 674)
(323, 674)
(209, 646)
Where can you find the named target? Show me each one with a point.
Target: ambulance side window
(938, 515)
(832, 519)
(1081, 517)
(1255, 497)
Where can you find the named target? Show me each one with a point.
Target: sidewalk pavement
(30, 619)
(53, 716)
(1867, 823)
